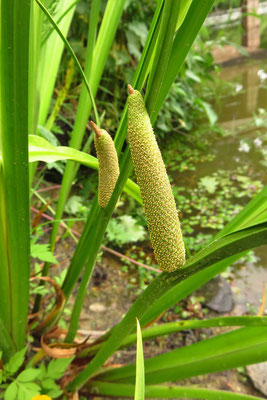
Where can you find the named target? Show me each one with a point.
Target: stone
(97, 307)
(258, 376)
(218, 295)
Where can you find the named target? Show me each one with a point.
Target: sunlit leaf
(140, 371)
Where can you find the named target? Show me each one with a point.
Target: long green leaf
(172, 327)
(64, 13)
(45, 60)
(73, 55)
(181, 290)
(14, 224)
(140, 371)
(183, 41)
(7, 346)
(219, 250)
(230, 350)
(186, 287)
(141, 71)
(95, 228)
(36, 25)
(256, 205)
(254, 213)
(49, 59)
(41, 150)
(164, 46)
(165, 392)
(185, 4)
(5, 310)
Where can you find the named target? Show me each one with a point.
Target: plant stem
(14, 173)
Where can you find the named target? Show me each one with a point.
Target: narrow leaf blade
(140, 370)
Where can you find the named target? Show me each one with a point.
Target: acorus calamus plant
(33, 35)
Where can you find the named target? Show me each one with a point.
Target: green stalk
(182, 43)
(45, 57)
(93, 251)
(99, 217)
(60, 19)
(36, 24)
(229, 350)
(61, 96)
(141, 72)
(96, 234)
(73, 55)
(165, 392)
(50, 56)
(5, 310)
(172, 327)
(8, 347)
(180, 291)
(161, 60)
(139, 393)
(14, 125)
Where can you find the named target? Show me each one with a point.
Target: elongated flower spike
(108, 171)
(160, 209)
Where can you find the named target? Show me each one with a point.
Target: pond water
(241, 113)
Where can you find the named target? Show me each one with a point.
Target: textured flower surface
(160, 209)
(41, 397)
(108, 165)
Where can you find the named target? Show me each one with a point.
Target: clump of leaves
(41, 251)
(125, 229)
(31, 381)
(76, 206)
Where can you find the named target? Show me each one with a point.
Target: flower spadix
(108, 171)
(159, 204)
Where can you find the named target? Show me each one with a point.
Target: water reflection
(235, 111)
(250, 93)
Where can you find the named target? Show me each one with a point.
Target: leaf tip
(130, 89)
(96, 129)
